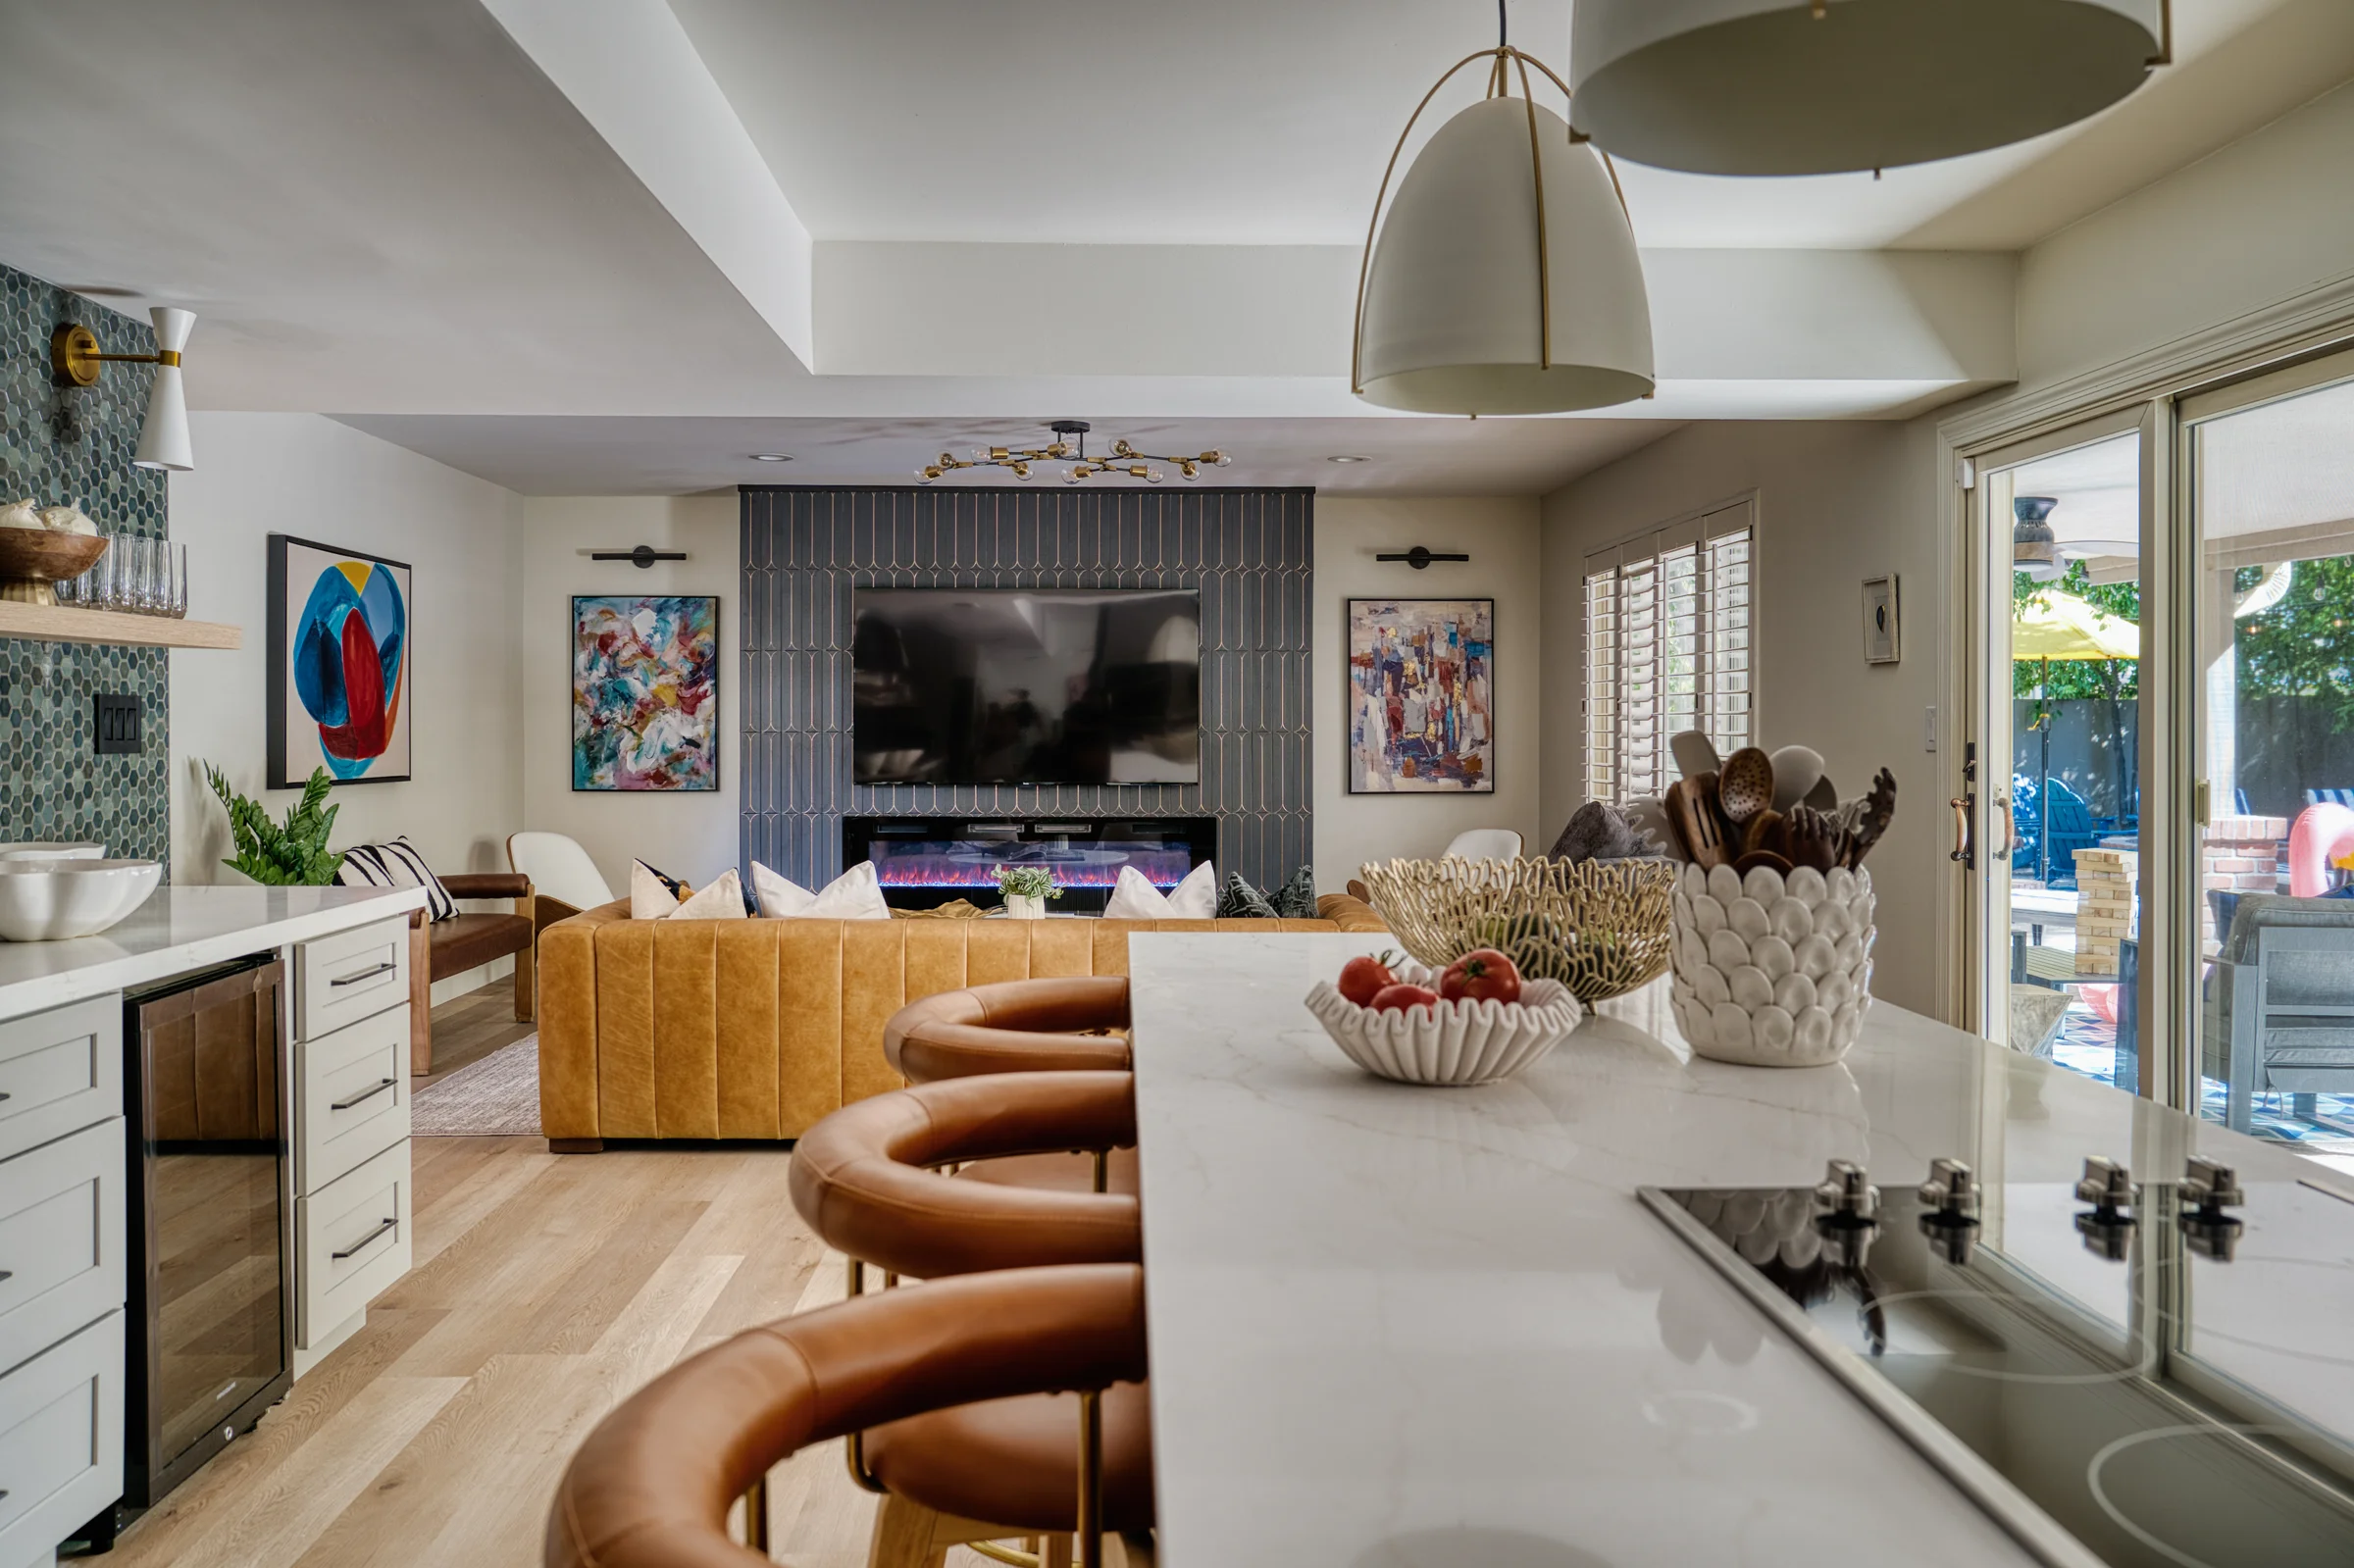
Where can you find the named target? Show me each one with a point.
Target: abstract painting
(1421, 696)
(339, 663)
(646, 691)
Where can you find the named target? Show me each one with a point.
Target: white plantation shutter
(1667, 649)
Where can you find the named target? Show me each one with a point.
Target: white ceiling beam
(634, 75)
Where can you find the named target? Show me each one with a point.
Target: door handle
(363, 1097)
(361, 1244)
(1963, 806)
(385, 968)
(1999, 809)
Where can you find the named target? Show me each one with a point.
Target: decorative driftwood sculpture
(1599, 927)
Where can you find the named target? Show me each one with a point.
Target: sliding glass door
(2269, 488)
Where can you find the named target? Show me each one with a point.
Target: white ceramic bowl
(1451, 1044)
(38, 849)
(1773, 970)
(52, 900)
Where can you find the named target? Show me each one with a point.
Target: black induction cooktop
(2136, 1374)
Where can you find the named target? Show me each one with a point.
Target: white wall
(2253, 224)
(307, 476)
(693, 837)
(1501, 535)
(1836, 503)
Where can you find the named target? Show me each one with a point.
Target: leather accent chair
(1016, 1026)
(653, 1485)
(439, 948)
(865, 1180)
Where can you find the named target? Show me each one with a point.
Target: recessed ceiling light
(1347, 458)
(772, 457)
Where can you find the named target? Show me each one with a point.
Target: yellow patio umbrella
(2060, 625)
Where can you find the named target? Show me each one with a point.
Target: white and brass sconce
(163, 434)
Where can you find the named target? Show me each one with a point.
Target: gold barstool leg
(1103, 1170)
(755, 1516)
(1091, 1478)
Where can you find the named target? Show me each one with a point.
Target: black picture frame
(278, 763)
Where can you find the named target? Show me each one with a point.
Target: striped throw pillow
(396, 864)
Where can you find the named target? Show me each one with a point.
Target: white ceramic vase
(1773, 970)
(1018, 907)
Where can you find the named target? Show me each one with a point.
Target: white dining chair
(559, 869)
(1486, 844)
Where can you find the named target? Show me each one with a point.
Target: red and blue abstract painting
(340, 638)
(646, 691)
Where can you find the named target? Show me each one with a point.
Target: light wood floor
(546, 1288)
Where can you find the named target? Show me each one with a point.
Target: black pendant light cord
(1503, 29)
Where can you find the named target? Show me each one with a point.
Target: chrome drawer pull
(361, 1244)
(363, 1097)
(385, 968)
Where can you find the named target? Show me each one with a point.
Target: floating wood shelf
(62, 622)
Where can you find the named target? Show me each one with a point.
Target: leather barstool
(865, 1180)
(1020, 1026)
(653, 1485)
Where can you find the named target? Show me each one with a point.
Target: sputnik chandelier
(1070, 447)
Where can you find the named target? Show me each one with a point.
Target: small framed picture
(1882, 644)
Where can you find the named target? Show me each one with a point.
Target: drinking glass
(131, 574)
(176, 604)
(146, 564)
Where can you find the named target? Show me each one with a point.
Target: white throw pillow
(1134, 897)
(652, 895)
(855, 895)
(722, 901)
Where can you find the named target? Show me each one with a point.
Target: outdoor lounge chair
(2278, 1013)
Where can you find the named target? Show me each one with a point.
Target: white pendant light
(164, 438)
(1827, 86)
(1503, 278)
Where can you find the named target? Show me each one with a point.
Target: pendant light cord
(1504, 27)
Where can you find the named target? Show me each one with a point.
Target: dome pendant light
(1833, 86)
(1503, 277)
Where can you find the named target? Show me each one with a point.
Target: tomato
(1481, 975)
(1362, 977)
(1397, 998)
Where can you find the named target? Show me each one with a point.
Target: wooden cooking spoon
(1692, 814)
(1746, 785)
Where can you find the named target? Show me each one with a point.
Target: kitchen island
(1405, 1326)
(209, 1097)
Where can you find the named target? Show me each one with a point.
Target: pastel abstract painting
(1421, 696)
(646, 691)
(339, 641)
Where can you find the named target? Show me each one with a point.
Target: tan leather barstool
(652, 1486)
(861, 1179)
(1018, 1026)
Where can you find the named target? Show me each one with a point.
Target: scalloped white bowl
(55, 900)
(1451, 1044)
(46, 849)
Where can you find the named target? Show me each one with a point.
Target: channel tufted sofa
(754, 1029)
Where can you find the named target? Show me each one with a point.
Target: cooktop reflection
(2140, 1375)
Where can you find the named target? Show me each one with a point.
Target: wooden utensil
(1879, 810)
(1765, 832)
(1764, 859)
(1744, 787)
(1815, 838)
(1692, 814)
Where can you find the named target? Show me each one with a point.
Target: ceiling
(525, 238)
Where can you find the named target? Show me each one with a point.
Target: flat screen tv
(1026, 686)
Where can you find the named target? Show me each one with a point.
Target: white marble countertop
(181, 929)
(1385, 1320)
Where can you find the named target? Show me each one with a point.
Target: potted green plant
(288, 854)
(1027, 890)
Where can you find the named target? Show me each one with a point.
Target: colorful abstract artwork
(646, 691)
(339, 633)
(1421, 696)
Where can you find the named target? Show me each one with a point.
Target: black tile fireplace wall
(1249, 553)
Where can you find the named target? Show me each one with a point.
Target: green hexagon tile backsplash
(75, 445)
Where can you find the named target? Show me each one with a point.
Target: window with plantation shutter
(1666, 640)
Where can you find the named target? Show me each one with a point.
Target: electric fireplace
(924, 862)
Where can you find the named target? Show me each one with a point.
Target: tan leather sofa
(754, 1029)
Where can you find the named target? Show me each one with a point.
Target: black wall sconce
(642, 557)
(1420, 556)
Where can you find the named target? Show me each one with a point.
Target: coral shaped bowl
(1451, 1044)
(53, 901)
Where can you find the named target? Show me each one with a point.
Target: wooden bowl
(30, 560)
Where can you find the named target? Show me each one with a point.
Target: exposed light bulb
(1152, 476)
(1221, 458)
(1021, 471)
(1074, 476)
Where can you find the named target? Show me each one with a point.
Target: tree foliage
(2304, 646)
(291, 854)
(2073, 680)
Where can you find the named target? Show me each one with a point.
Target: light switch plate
(114, 723)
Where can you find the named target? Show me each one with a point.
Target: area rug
(497, 1097)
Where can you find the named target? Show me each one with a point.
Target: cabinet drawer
(351, 1091)
(351, 1240)
(352, 975)
(61, 1440)
(60, 1240)
(59, 1071)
